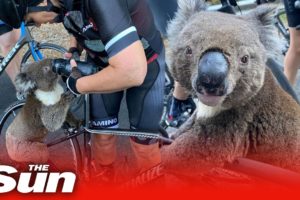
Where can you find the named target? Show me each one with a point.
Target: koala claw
(68, 95)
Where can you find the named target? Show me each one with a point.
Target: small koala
(241, 110)
(45, 110)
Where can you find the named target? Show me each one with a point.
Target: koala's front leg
(73, 121)
(184, 127)
(198, 150)
(53, 116)
(66, 98)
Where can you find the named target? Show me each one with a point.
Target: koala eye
(188, 51)
(245, 59)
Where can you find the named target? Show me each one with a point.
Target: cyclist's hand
(72, 79)
(73, 52)
(68, 55)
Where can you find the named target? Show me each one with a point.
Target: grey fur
(258, 119)
(186, 9)
(25, 135)
(262, 20)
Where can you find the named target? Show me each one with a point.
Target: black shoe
(179, 111)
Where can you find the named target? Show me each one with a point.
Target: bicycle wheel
(8, 115)
(48, 50)
(64, 155)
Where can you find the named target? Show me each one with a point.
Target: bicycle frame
(25, 38)
(280, 26)
(107, 131)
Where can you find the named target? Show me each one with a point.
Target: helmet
(67, 5)
(12, 12)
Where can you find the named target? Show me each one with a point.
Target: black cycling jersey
(293, 14)
(4, 28)
(104, 28)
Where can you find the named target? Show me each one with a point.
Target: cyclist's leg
(104, 114)
(145, 106)
(8, 38)
(292, 59)
(180, 103)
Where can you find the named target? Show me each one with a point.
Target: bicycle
(81, 155)
(34, 52)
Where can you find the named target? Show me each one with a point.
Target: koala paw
(68, 96)
(21, 96)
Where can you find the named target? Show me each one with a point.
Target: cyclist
(180, 103)
(119, 36)
(292, 58)
(8, 38)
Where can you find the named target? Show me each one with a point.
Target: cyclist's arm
(127, 69)
(127, 60)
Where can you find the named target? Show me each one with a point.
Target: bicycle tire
(12, 110)
(74, 143)
(43, 46)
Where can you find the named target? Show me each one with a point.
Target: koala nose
(212, 73)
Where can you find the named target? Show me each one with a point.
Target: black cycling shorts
(4, 28)
(144, 103)
(293, 14)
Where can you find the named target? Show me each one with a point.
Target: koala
(45, 110)
(241, 110)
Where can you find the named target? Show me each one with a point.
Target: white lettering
(105, 123)
(43, 181)
(69, 181)
(7, 183)
(9, 56)
(84, 29)
(38, 167)
(38, 186)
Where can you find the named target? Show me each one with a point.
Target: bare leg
(104, 149)
(147, 156)
(179, 92)
(292, 58)
(7, 41)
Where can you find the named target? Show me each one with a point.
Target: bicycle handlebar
(63, 67)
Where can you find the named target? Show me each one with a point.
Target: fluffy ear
(24, 85)
(186, 9)
(262, 20)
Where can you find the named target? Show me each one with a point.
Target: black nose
(212, 73)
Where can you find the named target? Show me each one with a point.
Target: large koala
(45, 110)
(241, 110)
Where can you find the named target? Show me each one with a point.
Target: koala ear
(186, 9)
(262, 20)
(24, 85)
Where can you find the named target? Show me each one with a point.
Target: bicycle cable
(129, 133)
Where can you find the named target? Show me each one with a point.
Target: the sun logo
(43, 181)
